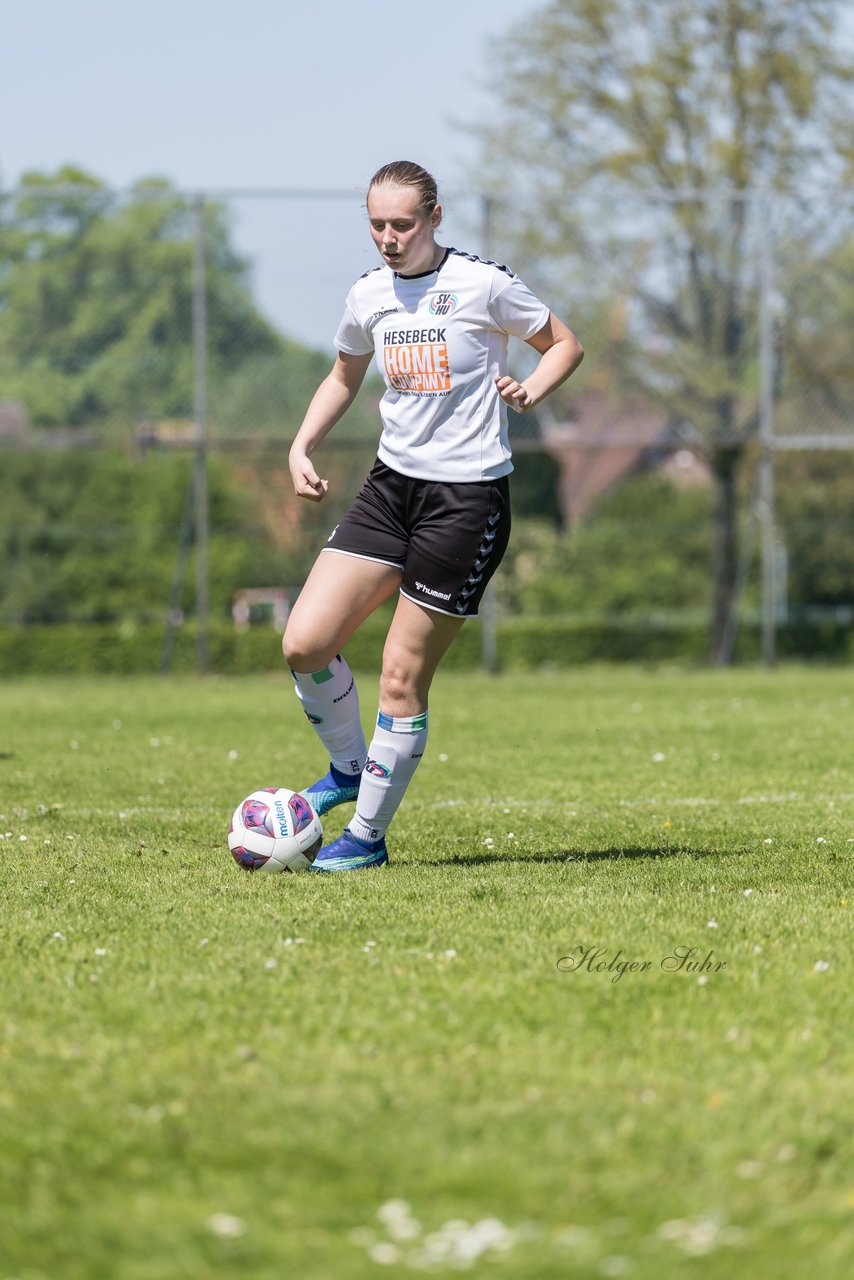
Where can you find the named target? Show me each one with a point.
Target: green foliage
(534, 487)
(645, 552)
(630, 139)
(523, 643)
(816, 374)
(231, 1074)
(816, 525)
(93, 536)
(268, 395)
(96, 310)
(602, 105)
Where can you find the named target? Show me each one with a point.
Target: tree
(96, 303)
(634, 136)
(815, 274)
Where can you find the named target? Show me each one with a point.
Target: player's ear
(436, 216)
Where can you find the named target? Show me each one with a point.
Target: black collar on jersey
(431, 272)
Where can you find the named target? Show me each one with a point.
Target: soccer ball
(274, 829)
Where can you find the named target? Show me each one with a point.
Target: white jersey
(439, 339)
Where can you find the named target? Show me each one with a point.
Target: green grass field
(207, 1073)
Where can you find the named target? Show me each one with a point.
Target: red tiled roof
(603, 442)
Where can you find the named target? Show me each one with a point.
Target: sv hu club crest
(443, 304)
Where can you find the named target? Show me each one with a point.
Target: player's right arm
(330, 402)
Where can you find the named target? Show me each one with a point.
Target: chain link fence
(158, 351)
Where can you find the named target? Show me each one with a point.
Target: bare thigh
(339, 594)
(417, 640)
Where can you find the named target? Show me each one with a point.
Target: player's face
(402, 232)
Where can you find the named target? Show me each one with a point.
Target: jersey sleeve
(351, 337)
(513, 308)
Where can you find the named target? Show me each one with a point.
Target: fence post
(766, 434)
(200, 418)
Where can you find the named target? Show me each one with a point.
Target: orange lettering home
(417, 367)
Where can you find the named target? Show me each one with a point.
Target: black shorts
(447, 539)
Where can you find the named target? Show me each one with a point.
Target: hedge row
(522, 642)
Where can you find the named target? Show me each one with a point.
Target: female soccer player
(432, 520)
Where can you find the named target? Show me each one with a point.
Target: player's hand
(513, 393)
(307, 483)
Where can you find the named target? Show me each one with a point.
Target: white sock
(331, 701)
(396, 748)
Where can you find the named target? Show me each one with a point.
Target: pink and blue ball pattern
(255, 816)
(301, 812)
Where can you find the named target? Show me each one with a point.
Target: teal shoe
(333, 789)
(348, 853)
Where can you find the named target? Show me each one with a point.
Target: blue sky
(260, 93)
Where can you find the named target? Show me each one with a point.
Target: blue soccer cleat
(348, 853)
(333, 789)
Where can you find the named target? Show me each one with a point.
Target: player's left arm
(560, 354)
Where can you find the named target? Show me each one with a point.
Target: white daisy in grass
(700, 1235)
(226, 1226)
(456, 1243)
(404, 1228)
(616, 1265)
(460, 1243)
(385, 1253)
(391, 1210)
(821, 966)
(397, 1218)
(487, 1235)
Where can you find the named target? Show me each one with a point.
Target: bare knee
(302, 650)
